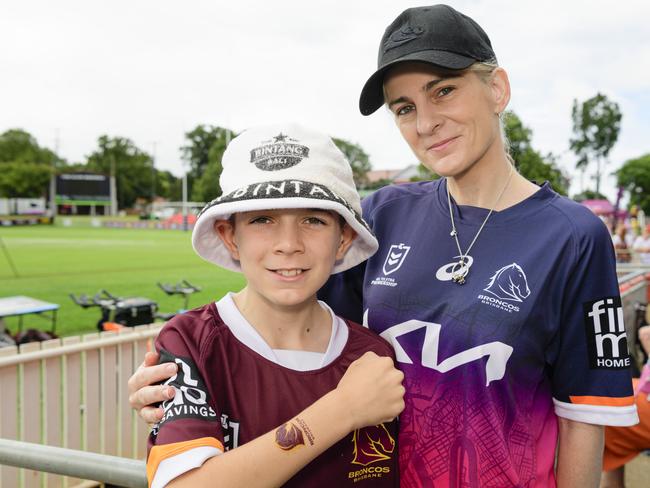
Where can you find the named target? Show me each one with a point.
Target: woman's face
(450, 123)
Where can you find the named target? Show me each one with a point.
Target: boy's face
(286, 255)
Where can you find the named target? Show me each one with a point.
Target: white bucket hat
(283, 166)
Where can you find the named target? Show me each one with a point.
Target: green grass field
(54, 261)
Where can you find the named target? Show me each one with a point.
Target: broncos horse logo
(509, 283)
(372, 444)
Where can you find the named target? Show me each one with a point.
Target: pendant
(459, 271)
(453, 233)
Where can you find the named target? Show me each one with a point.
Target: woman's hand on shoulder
(144, 393)
(371, 390)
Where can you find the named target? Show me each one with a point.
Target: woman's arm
(369, 393)
(580, 454)
(145, 392)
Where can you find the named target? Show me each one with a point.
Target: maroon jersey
(228, 394)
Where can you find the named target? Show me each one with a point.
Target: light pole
(153, 177)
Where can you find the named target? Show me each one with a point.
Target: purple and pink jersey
(536, 332)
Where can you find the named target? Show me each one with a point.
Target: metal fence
(117, 471)
(72, 393)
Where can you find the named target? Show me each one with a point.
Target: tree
(529, 162)
(207, 187)
(19, 146)
(589, 195)
(22, 180)
(634, 176)
(203, 152)
(425, 174)
(168, 186)
(199, 143)
(596, 124)
(25, 167)
(131, 166)
(358, 159)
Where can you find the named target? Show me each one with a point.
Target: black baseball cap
(438, 35)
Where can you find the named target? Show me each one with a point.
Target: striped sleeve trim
(603, 401)
(187, 455)
(621, 416)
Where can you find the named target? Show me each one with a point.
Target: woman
(499, 296)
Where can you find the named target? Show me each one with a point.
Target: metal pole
(114, 470)
(153, 176)
(53, 209)
(113, 188)
(185, 226)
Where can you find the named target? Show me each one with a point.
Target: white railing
(72, 393)
(116, 471)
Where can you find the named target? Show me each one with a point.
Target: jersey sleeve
(589, 357)
(190, 431)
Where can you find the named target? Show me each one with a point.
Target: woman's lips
(444, 144)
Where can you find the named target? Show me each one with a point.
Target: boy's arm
(369, 393)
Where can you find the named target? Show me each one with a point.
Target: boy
(269, 379)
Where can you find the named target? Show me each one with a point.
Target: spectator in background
(641, 246)
(621, 245)
(622, 444)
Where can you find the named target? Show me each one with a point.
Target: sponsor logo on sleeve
(230, 430)
(371, 445)
(606, 338)
(191, 399)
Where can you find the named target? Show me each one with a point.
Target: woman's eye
(446, 90)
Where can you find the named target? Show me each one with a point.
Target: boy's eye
(406, 109)
(260, 220)
(315, 221)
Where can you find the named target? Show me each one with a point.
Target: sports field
(54, 261)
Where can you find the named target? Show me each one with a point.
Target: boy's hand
(143, 391)
(371, 390)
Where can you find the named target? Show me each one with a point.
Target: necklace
(460, 270)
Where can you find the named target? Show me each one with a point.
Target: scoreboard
(83, 189)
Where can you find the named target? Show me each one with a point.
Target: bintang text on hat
(278, 153)
(281, 189)
(278, 167)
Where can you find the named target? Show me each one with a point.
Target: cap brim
(210, 247)
(372, 94)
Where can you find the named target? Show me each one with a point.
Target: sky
(72, 70)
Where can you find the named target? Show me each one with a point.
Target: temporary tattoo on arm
(288, 436)
(306, 430)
